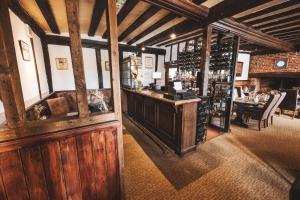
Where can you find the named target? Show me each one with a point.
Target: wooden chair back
(269, 105)
(291, 99)
(281, 98)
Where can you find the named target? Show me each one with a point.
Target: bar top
(159, 96)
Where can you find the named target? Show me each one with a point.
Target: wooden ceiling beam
(268, 10)
(139, 21)
(228, 8)
(253, 35)
(15, 6)
(181, 28)
(48, 15)
(98, 11)
(284, 31)
(152, 28)
(125, 10)
(180, 38)
(272, 17)
(296, 23)
(186, 8)
(277, 22)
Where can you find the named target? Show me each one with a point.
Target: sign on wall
(281, 63)
(61, 63)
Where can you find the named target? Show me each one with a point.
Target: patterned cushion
(71, 100)
(58, 106)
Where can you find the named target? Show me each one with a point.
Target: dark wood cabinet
(173, 122)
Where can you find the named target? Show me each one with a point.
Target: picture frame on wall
(281, 63)
(24, 47)
(148, 62)
(61, 63)
(239, 69)
(106, 65)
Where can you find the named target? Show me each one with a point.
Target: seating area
(64, 103)
(262, 107)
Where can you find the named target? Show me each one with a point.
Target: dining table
(242, 105)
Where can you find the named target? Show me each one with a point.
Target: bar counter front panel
(173, 122)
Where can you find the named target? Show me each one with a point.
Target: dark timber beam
(184, 8)
(113, 53)
(205, 59)
(98, 11)
(181, 28)
(278, 22)
(125, 10)
(272, 17)
(15, 6)
(152, 28)
(284, 31)
(139, 21)
(296, 23)
(229, 8)
(280, 6)
(10, 84)
(252, 35)
(61, 40)
(180, 38)
(48, 14)
(47, 64)
(72, 8)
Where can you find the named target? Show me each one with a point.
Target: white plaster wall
(40, 65)
(168, 51)
(161, 68)
(245, 58)
(174, 52)
(26, 68)
(61, 79)
(147, 73)
(90, 68)
(105, 74)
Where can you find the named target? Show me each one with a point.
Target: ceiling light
(173, 36)
(143, 48)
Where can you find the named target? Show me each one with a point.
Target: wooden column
(99, 67)
(236, 45)
(10, 85)
(77, 58)
(47, 64)
(205, 59)
(113, 52)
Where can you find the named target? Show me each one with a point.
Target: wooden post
(47, 64)
(77, 58)
(205, 58)
(113, 51)
(99, 67)
(10, 85)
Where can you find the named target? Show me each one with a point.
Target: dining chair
(261, 113)
(272, 112)
(291, 102)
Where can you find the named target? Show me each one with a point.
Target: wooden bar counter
(173, 122)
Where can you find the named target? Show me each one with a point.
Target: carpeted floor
(245, 164)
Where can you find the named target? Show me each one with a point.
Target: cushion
(71, 100)
(58, 106)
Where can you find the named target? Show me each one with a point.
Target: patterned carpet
(245, 164)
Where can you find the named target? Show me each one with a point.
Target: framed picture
(239, 68)
(148, 62)
(107, 67)
(24, 50)
(61, 63)
(281, 63)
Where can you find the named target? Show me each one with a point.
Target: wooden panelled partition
(73, 164)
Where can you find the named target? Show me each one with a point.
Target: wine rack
(221, 80)
(202, 119)
(188, 64)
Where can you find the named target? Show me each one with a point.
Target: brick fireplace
(263, 74)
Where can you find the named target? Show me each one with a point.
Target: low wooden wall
(79, 163)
